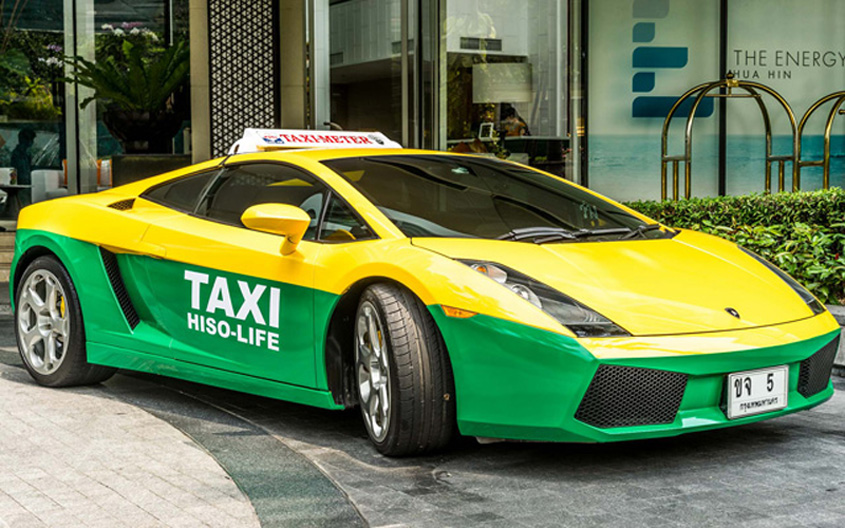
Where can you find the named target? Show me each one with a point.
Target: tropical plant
(142, 84)
(30, 64)
(110, 41)
(14, 67)
(14, 64)
(32, 100)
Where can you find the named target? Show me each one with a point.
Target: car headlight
(805, 295)
(581, 320)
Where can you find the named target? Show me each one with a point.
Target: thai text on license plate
(757, 391)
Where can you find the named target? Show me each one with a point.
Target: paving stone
(70, 457)
(785, 472)
(754, 475)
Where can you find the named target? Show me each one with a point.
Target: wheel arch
(339, 353)
(83, 263)
(33, 247)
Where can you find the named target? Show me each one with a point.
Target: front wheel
(404, 378)
(48, 326)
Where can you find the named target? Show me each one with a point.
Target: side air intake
(113, 271)
(815, 370)
(123, 205)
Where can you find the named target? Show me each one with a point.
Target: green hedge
(803, 233)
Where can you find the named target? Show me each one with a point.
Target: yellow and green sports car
(440, 293)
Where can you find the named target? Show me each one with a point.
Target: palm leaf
(143, 85)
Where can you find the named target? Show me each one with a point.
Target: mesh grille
(123, 205)
(815, 370)
(113, 271)
(244, 72)
(625, 396)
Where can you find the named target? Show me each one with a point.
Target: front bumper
(518, 382)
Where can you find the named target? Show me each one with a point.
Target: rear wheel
(48, 326)
(404, 378)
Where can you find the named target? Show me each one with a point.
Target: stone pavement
(79, 457)
(786, 472)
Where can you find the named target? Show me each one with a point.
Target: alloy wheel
(373, 371)
(43, 322)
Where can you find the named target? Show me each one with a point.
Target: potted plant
(138, 84)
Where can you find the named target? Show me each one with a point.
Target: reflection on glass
(148, 29)
(31, 98)
(465, 196)
(506, 80)
(365, 60)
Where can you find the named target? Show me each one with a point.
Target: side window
(240, 187)
(342, 225)
(181, 194)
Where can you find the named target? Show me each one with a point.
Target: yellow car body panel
(650, 288)
(721, 342)
(519, 373)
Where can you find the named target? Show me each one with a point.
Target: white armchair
(47, 184)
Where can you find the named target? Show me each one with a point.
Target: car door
(224, 293)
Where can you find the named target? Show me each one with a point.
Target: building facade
(580, 88)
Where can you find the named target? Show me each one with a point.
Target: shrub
(803, 233)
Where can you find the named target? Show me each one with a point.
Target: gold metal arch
(751, 90)
(825, 161)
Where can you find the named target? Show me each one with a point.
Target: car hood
(681, 285)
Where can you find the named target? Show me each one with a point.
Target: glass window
(456, 196)
(506, 91)
(150, 29)
(797, 50)
(642, 59)
(243, 186)
(364, 66)
(342, 225)
(181, 194)
(32, 121)
(136, 59)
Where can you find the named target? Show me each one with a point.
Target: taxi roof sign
(263, 139)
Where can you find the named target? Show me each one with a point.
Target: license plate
(757, 391)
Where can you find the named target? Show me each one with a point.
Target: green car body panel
(513, 381)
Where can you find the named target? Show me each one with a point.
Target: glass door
(370, 71)
(359, 81)
(506, 86)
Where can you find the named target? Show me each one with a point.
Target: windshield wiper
(538, 233)
(640, 231)
(584, 233)
(545, 234)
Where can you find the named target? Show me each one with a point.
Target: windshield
(457, 196)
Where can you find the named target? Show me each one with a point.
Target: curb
(838, 313)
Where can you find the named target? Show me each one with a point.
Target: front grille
(626, 396)
(123, 205)
(113, 271)
(815, 370)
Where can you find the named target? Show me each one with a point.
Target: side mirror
(279, 219)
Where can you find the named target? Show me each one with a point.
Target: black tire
(73, 368)
(421, 416)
